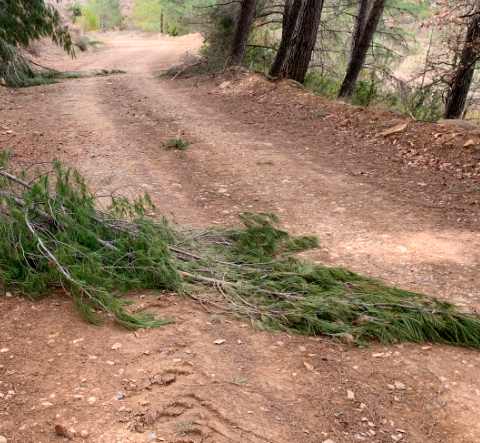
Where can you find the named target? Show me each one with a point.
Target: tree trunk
(462, 79)
(359, 26)
(357, 60)
(290, 18)
(298, 41)
(304, 41)
(242, 31)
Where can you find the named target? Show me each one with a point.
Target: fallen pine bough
(54, 233)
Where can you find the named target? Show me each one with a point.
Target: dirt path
(327, 170)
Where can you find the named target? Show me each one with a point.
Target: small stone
(302, 348)
(120, 396)
(111, 363)
(177, 360)
(402, 249)
(2, 438)
(363, 405)
(219, 342)
(116, 346)
(47, 404)
(328, 441)
(84, 433)
(469, 144)
(377, 355)
(391, 387)
(78, 397)
(225, 84)
(92, 400)
(339, 209)
(3, 83)
(3, 350)
(308, 366)
(63, 431)
(350, 395)
(400, 386)
(152, 436)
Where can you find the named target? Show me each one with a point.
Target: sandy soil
(402, 208)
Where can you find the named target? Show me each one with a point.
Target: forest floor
(402, 208)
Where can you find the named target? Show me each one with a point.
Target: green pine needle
(53, 234)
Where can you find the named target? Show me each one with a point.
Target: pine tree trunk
(462, 80)
(242, 31)
(290, 18)
(357, 60)
(298, 40)
(359, 26)
(304, 41)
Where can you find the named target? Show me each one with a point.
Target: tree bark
(290, 18)
(242, 32)
(457, 96)
(357, 60)
(359, 26)
(298, 41)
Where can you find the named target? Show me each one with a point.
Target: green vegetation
(107, 11)
(53, 233)
(176, 143)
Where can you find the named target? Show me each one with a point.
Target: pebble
(92, 400)
(350, 395)
(84, 433)
(328, 441)
(3, 439)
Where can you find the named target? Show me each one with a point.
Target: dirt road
(327, 170)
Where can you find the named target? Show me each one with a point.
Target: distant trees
(107, 11)
(148, 15)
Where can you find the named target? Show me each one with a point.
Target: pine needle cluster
(53, 234)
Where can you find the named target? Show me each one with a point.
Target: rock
(302, 348)
(328, 441)
(469, 144)
(402, 249)
(84, 434)
(2, 438)
(116, 346)
(3, 83)
(377, 355)
(350, 395)
(220, 341)
(391, 387)
(92, 400)
(177, 360)
(400, 386)
(339, 209)
(119, 396)
(225, 85)
(308, 366)
(63, 431)
(395, 129)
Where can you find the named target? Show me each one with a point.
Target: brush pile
(55, 233)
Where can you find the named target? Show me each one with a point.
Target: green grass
(176, 143)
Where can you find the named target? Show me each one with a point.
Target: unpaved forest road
(248, 152)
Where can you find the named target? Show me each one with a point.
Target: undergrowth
(176, 143)
(54, 233)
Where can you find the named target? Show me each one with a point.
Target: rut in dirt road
(232, 166)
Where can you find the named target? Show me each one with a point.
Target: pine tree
(22, 21)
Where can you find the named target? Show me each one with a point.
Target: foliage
(52, 234)
(88, 20)
(22, 21)
(176, 143)
(366, 91)
(147, 14)
(107, 11)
